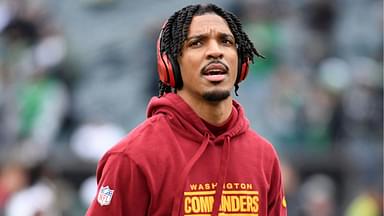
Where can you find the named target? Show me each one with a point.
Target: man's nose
(214, 51)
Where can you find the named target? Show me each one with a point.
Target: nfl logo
(105, 196)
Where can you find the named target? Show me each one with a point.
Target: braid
(163, 88)
(246, 48)
(175, 32)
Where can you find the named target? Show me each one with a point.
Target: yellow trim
(284, 202)
(242, 192)
(194, 193)
(197, 215)
(223, 214)
(239, 214)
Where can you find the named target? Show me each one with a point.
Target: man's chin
(216, 96)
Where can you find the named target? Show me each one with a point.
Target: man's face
(209, 59)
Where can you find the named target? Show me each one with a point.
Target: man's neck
(215, 113)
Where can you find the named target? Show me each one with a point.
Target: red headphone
(169, 72)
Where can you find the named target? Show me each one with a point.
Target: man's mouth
(215, 72)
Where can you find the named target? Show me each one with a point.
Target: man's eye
(228, 42)
(195, 43)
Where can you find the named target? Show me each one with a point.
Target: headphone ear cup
(243, 71)
(164, 67)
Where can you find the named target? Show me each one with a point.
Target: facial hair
(216, 96)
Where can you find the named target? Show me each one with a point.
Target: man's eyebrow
(199, 36)
(202, 36)
(226, 35)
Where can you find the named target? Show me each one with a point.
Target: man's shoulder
(143, 136)
(260, 140)
(257, 137)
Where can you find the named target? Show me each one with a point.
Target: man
(195, 154)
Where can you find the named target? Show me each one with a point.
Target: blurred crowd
(318, 97)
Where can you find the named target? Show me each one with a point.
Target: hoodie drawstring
(222, 176)
(184, 174)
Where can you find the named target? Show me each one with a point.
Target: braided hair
(175, 32)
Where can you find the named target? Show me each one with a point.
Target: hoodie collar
(183, 118)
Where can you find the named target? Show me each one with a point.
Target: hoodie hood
(185, 119)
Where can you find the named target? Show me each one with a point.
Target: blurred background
(76, 76)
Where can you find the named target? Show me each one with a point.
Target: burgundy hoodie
(172, 164)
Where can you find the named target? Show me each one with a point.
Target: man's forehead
(206, 23)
